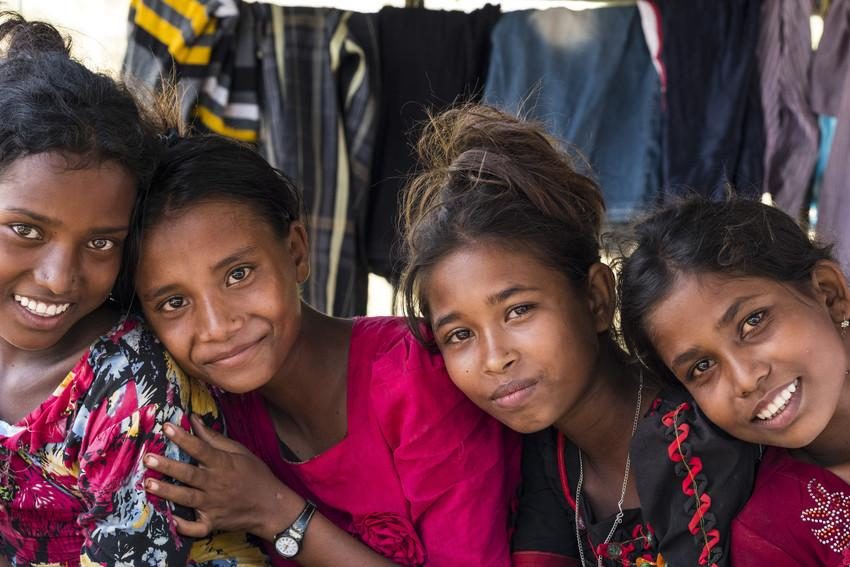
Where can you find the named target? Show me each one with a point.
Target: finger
(181, 495)
(192, 529)
(215, 439)
(196, 448)
(184, 472)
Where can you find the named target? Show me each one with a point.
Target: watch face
(286, 546)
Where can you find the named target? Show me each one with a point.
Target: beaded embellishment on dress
(830, 516)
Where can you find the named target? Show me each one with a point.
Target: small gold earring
(843, 325)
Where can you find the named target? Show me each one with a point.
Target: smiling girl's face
(764, 360)
(62, 230)
(220, 289)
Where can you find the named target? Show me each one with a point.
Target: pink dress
(423, 476)
(799, 514)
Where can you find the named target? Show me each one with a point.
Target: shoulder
(131, 369)
(692, 477)
(388, 345)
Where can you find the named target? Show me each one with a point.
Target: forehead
(474, 272)
(200, 235)
(697, 303)
(58, 186)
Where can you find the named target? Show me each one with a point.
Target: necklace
(618, 519)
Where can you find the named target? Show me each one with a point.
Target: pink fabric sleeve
(458, 467)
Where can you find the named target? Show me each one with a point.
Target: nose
(216, 320)
(499, 355)
(747, 374)
(59, 269)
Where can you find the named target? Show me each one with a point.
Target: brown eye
(26, 231)
(101, 244)
(238, 274)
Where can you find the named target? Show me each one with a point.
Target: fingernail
(151, 461)
(169, 429)
(196, 419)
(152, 485)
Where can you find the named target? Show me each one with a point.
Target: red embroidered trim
(693, 467)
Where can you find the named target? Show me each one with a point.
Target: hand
(230, 488)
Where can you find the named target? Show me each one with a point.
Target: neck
(832, 447)
(308, 383)
(601, 423)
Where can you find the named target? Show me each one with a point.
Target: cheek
(102, 274)
(460, 369)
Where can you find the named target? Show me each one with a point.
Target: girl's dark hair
(735, 238)
(51, 103)
(210, 168)
(489, 176)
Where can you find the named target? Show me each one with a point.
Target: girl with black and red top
(503, 265)
(736, 302)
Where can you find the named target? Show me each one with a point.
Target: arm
(458, 467)
(231, 489)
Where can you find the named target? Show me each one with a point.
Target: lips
(233, 355)
(514, 394)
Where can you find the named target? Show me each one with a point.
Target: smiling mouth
(234, 355)
(779, 402)
(41, 308)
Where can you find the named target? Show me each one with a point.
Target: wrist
(280, 512)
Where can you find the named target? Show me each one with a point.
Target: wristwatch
(288, 542)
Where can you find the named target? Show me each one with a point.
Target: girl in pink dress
(84, 390)
(356, 449)
(733, 300)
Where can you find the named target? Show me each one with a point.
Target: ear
(601, 295)
(831, 288)
(299, 249)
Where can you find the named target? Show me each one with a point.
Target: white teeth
(778, 403)
(40, 308)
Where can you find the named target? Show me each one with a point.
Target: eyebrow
(732, 311)
(505, 294)
(495, 299)
(56, 222)
(236, 255)
(170, 288)
(728, 316)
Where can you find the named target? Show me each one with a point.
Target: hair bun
(19, 37)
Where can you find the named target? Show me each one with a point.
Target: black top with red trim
(671, 434)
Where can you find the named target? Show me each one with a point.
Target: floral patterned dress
(71, 472)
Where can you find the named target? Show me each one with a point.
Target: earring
(843, 325)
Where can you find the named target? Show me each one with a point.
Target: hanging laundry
(318, 121)
(588, 76)
(791, 128)
(831, 96)
(429, 59)
(209, 48)
(713, 133)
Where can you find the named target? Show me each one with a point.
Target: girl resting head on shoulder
(734, 301)
(366, 453)
(502, 237)
(84, 391)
